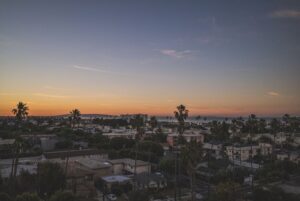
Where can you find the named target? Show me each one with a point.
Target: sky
(229, 58)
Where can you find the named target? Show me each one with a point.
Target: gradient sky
(216, 57)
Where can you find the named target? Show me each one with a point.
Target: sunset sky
(111, 57)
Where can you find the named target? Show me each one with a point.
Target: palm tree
(252, 125)
(153, 122)
(74, 117)
(191, 156)
(19, 147)
(275, 126)
(181, 115)
(137, 122)
(21, 111)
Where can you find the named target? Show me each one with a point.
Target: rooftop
(116, 178)
(93, 164)
(128, 161)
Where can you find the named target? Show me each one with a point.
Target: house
(129, 134)
(80, 181)
(25, 164)
(214, 147)
(47, 142)
(282, 155)
(189, 136)
(265, 149)
(98, 168)
(241, 152)
(127, 165)
(150, 181)
(6, 146)
(116, 179)
(75, 154)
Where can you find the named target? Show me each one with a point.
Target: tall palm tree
(252, 124)
(275, 127)
(153, 123)
(74, 117)
(181, 115)
(19, 147)
(137, 122)
(191, 156)
(21, 111)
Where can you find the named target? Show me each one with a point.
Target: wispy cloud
(288, 13)
(50, 95)
(175, 54)
(8, 94)
(85, 68)
(273, 93)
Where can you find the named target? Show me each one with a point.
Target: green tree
(181, 115)
(153, 122)
(18, 147)
(275, 125)
(118, 143)
(137, 122)
(253, 128)
(62, 196)
(5, 197)
(192, 155)
(21, 111)
(74, 117)
(51, 178)
(166, 165)
(26, 182)
(28, 197)
(227, 191)
(139, 196)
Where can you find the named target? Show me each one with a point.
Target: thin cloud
(85, 68)
(8, 94)
(295, 14)
(273, 93)
(175, 54)
(50, 95)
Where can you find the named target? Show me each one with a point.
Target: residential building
(127, 166)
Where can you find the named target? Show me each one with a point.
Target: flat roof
(115, 178)
(93, 164)
(7, 141)
(128, 161)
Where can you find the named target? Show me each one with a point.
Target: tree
(21, 111)
(74, 117)
(5, 197)
(275, 127)
(153, 122)
(139, 196)
(137, 122)
(220, 130)
(191, 155)
(26, 182)
(118, 143)
(28, 197)
(62, 196)
(227, 191)
(252, 126)
(18, 147)
(181, 115)
(51, 178)
(166, 165)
